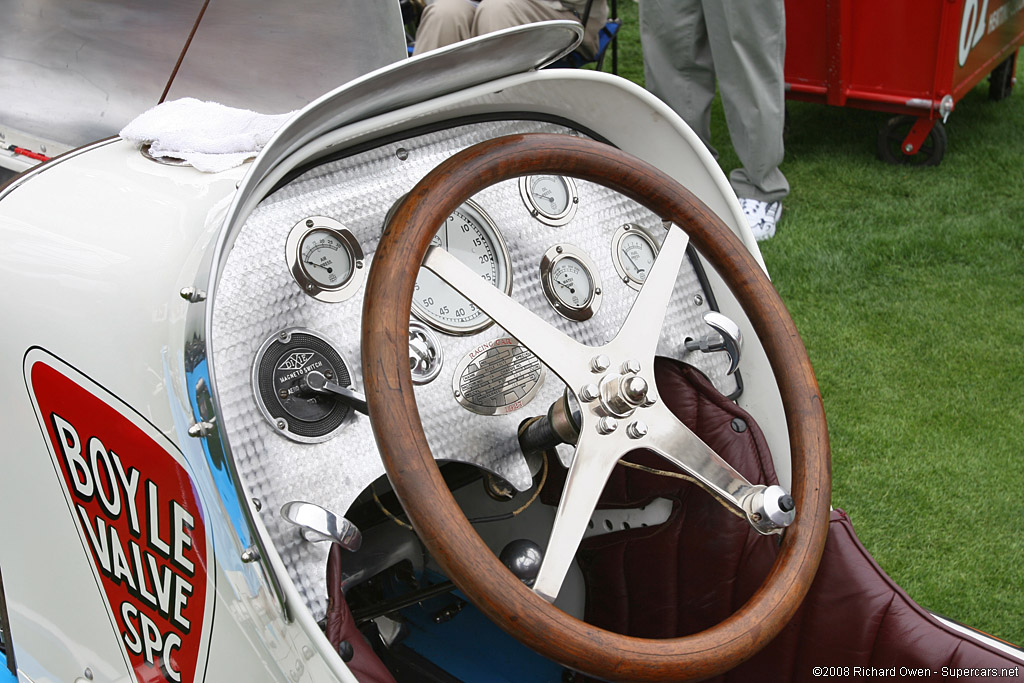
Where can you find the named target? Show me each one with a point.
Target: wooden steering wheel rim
(429, 504)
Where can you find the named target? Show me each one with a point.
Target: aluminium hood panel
(75, 72)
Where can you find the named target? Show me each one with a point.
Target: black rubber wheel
(890, 143)
(1000, 81)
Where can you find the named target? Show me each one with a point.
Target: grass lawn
(907, 285)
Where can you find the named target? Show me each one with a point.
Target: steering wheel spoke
(552, 347)
(639, 334)
(591, 466)
(672, 440)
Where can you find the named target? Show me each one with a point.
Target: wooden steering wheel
(623, 397)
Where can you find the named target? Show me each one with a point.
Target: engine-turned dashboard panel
(287, 316)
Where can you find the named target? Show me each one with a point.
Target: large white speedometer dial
(470, 236)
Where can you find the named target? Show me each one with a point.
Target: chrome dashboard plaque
(497, 377)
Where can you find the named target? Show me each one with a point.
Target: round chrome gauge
(633, 253)
(551, 199)
(571, 282)
(470, 236)
(324, 258)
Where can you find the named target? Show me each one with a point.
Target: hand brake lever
(730, 341)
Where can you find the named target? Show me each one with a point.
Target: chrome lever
(728, 339)
(318, 383)
(317, 524)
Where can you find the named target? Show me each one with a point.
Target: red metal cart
(914, 58)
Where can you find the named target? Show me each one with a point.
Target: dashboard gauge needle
(638, 268)
(569, 287)
(320, 265)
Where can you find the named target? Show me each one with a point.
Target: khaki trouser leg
(689, 44)
(444, 22)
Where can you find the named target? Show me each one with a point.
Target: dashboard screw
(192, 295)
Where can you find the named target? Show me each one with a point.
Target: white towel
(209, 136)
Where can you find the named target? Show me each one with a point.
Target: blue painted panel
(471, 648)
(5, 675)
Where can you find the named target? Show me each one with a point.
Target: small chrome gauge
(633, 253)
(325, 259)
(571, 282)
(551, 199)
(470, 236)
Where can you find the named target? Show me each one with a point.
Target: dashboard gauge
(633, 253)
(551, 199)
(325, 259)
(279, 372)
(470, 236)
(571, 282)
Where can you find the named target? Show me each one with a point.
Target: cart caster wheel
(890, 143)
(1000, 81)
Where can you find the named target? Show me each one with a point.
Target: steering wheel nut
(771, 510)
(623, 394)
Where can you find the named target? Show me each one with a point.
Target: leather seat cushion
(703, 563)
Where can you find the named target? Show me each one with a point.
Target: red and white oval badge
(139, 515)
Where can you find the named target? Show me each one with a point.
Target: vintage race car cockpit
(473, 373)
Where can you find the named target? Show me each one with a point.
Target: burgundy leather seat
(703, 563)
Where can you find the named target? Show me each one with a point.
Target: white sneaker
(761, 216)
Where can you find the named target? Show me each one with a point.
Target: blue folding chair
(606, 37)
